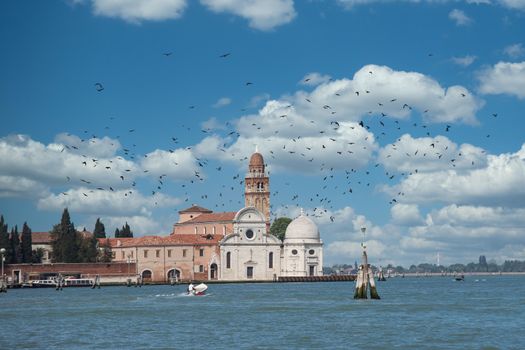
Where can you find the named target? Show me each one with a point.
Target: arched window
(270, 261)
(228, 260)
(224, 229)
(213, 230)
(146, 275)
(195, 229)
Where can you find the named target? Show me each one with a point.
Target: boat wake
(179, 295)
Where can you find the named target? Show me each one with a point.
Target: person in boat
(191, 288)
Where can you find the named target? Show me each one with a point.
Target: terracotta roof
(195, 209)
(181, 239)
(212, 217)
(40, 237)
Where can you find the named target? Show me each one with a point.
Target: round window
(249, 234)
(294, 252)
(311, 252)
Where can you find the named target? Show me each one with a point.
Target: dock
(329, 278)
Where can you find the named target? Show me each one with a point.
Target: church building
(252, 253)
(228, 246)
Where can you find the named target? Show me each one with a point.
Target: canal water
(482, 312)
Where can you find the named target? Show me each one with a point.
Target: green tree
(105, 251)
(37, 255)
(124, 232)
(16, 254)
(278, 228)
(88, 251)
(100, 230)
(25, 244)
(64, 240)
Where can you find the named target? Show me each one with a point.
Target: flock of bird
(334, 180)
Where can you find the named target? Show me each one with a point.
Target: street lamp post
(128, 282)
(3, 283)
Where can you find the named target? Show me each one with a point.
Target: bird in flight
(225, 55)
(99, 87)
(167, 53)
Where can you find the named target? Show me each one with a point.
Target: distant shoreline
(439, 274)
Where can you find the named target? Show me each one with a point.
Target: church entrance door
(249, 272)
(213, 271)
(312, 270)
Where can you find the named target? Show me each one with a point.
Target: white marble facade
(302, 249)
(250, 253)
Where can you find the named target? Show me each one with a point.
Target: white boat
(79, 282)
(49, 283)
(199, 289)
(68, 282)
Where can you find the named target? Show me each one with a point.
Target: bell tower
(257, 186)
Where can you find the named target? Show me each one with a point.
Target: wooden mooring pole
(365, 277)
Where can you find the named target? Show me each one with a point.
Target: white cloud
(255, 101)
(96, 147)
(295, 144)
(346, 250)
(430, 154)
(406, 214)
(179, 164)
(211, 125)
(314, 78)
(503, 78)
(462, 233)
(460, 18)
(93, 160)
(261, 14)
(320, 129)
(17, 186)
(380, 89)
(514, 51)
(464, 61)
(500, 182)
(135, 11)
(126, 202)
(140, 225)
(512, 4)
(221, 102)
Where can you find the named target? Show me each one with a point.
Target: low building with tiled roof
(42, 240)
(160, 258)
(204, 223)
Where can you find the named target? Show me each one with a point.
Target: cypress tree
(126, 231)
(26, 243)
(65, 240)
(117, 233)
(100, 230)
(16, 254)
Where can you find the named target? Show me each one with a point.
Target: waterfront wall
(19, 273)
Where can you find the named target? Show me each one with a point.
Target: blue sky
(438, 164)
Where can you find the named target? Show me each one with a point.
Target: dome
(302, 228)
(256, 160)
